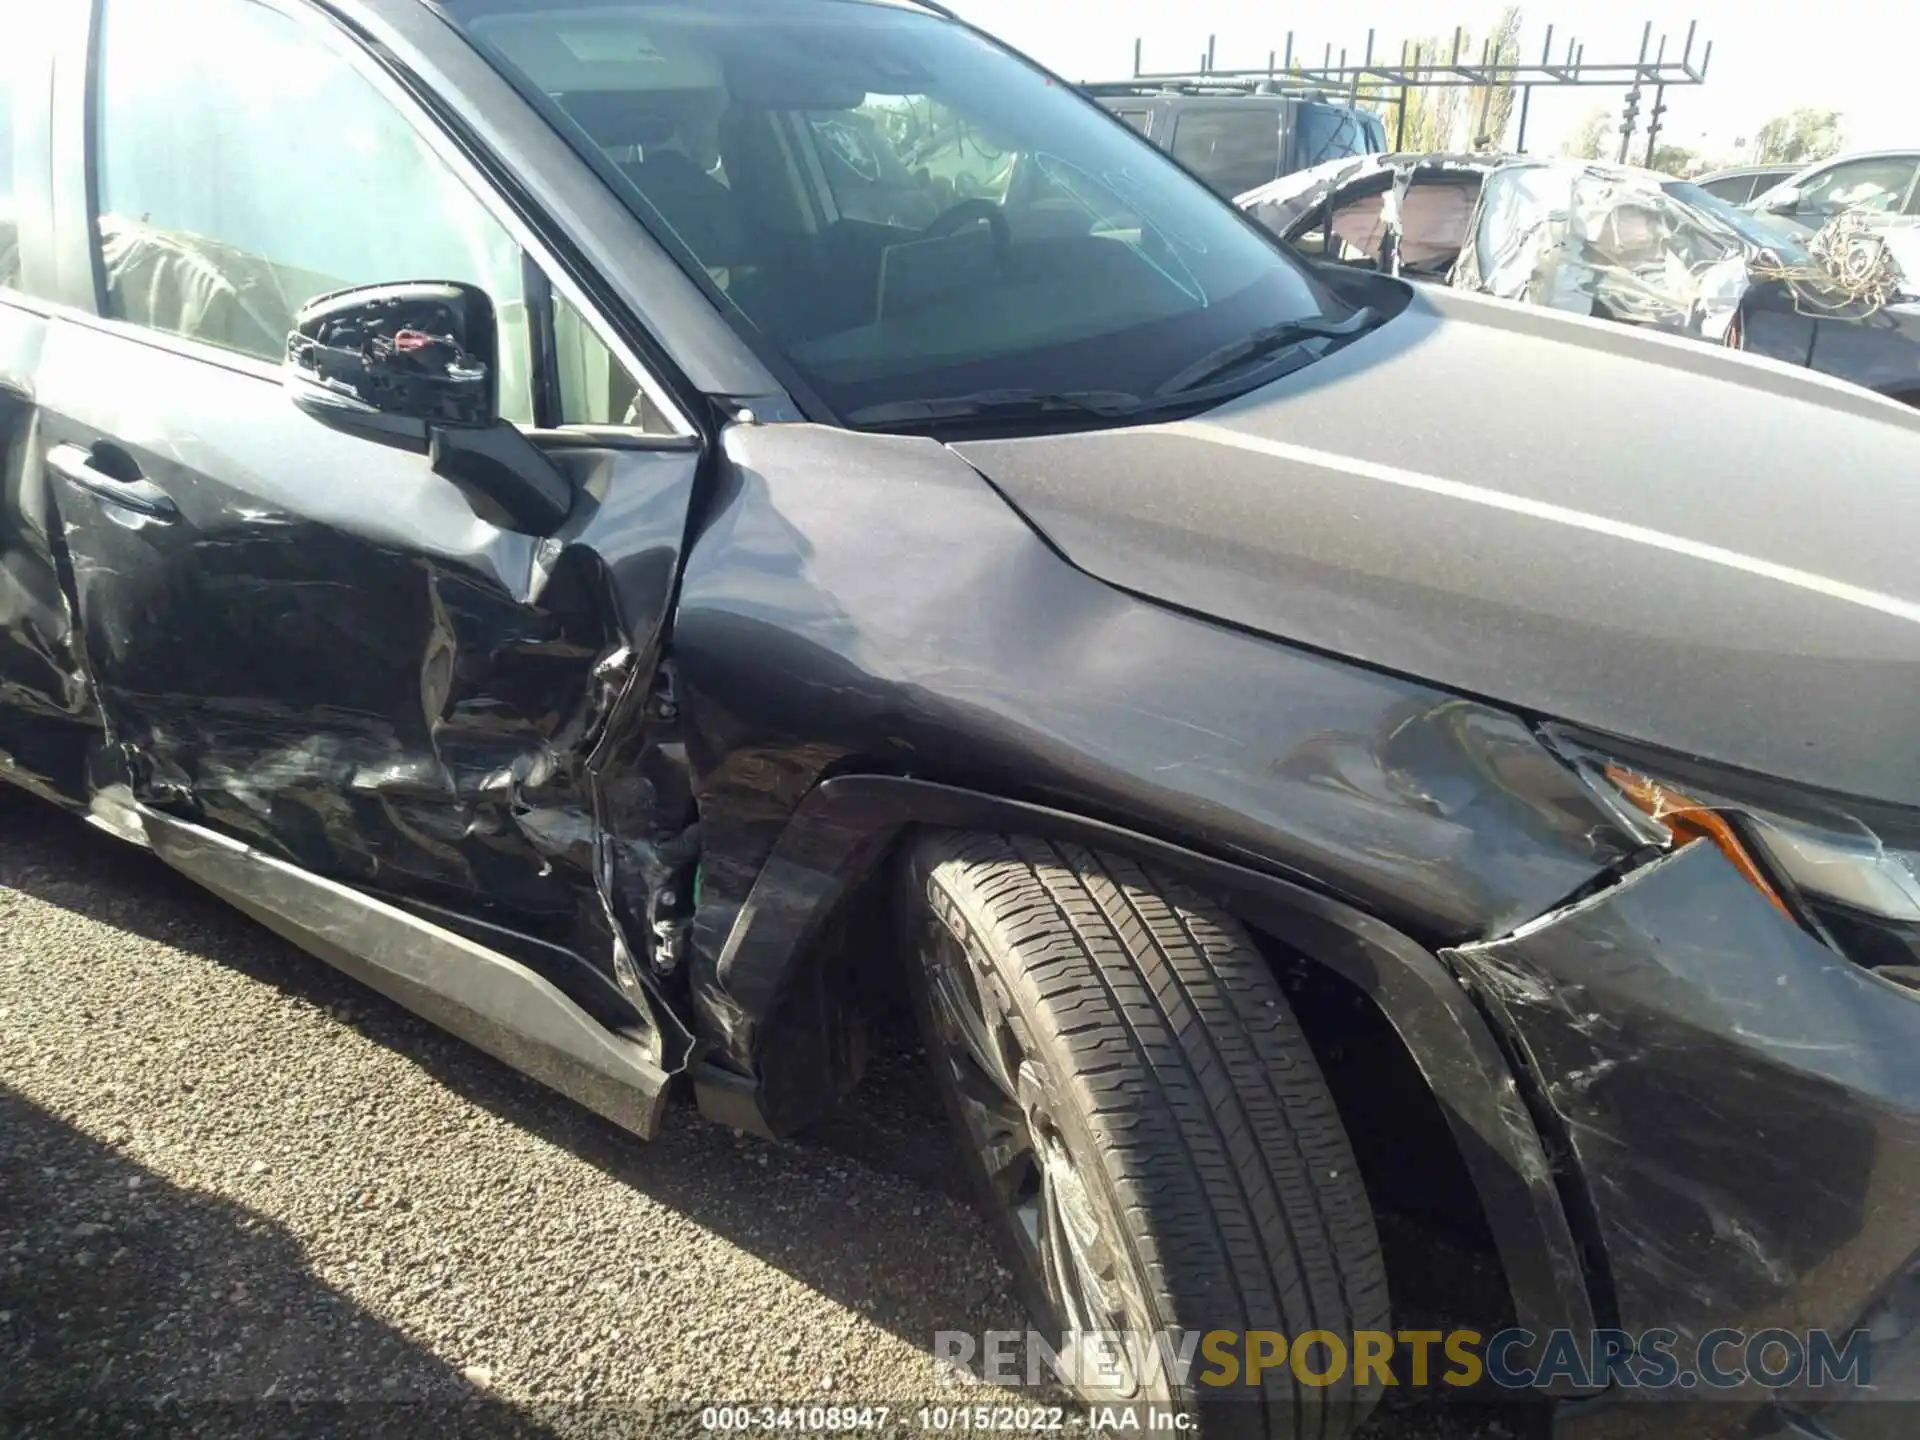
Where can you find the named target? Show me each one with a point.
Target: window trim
(342, 42)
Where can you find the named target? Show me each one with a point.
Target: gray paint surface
(1651, 537)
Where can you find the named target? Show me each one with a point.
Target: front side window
(244, 166)
(1875, 185)
(1233, 148)
(595, 388)
(900, 208)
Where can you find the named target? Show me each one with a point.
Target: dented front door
(308, 640)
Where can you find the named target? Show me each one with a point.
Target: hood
(1646, 536)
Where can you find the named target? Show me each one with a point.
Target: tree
(1595, 138)
(1673, 159)
(1452, 117)
(1490, 107)
(1433, 112)
(1799, 138)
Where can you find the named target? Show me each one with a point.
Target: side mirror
(414, 365)
(1783, 201)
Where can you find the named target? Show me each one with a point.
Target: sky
(1855, 56)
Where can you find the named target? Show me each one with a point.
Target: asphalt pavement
(242, 1194)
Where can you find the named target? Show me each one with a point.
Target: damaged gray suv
(628, 526)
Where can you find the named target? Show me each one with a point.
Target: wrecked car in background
(1880, 182)
(1619, 244)
(633, 617)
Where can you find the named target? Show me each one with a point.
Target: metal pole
(1486, 92)
(1526, 99)
(1136, 56)
(1400, 126)
(1653, 121)
(1633, 95)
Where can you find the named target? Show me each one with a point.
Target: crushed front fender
(1741, 1103)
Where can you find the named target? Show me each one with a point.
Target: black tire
(1162, 1080)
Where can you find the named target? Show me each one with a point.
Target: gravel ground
(235, 1182)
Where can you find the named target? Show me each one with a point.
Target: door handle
(80, 465)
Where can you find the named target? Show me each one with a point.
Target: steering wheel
(971, 212)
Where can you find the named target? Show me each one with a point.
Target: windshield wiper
(1017, 404)
(1265, 344)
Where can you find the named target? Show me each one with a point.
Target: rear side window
(1138, 119)
(245, 166)
(1328, 132)
(1232, 149)
(1736, 189)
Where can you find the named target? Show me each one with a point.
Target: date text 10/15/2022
(1723, 1360)
(948, 1419)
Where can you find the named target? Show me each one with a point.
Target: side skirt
(478, 994)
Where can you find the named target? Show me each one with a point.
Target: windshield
(900, 208)
(1749, 227)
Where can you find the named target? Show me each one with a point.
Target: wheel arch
(780, 1054)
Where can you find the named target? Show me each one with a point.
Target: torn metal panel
(1743, 1103)
(1607, 241)
(1282, 202)
(1393, 213)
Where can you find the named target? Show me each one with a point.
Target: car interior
(860, 216)
(1435, 214)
